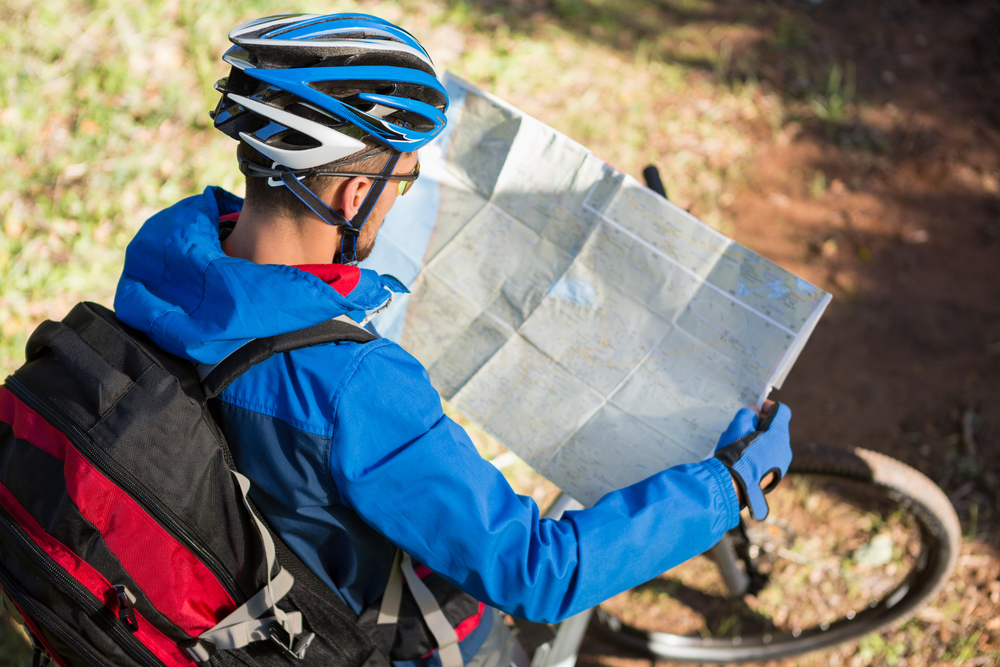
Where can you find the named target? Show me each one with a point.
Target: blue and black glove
(752, 448)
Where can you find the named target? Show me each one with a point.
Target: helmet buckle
(276, 182)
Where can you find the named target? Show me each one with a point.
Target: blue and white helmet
(305, 90)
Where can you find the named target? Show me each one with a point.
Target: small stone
(876, 553)
(990, 184)
(930, 615)
(829, 249)
(74, 172)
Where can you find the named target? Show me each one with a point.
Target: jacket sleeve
(414, 475)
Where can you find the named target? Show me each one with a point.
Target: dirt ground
(896, 211)
(888, 196)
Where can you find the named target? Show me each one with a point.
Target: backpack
(126, 534)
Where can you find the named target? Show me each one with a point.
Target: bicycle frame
(564, 648)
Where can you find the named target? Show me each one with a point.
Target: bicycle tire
(940, 537)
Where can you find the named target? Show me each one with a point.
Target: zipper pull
(39, 656)
(126, 608)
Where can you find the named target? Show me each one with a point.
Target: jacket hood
(193, 300)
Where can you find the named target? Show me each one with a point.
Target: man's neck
(269, 240)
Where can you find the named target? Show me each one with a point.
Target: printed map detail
(594, 328)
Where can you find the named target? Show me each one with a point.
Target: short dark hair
(280, 201)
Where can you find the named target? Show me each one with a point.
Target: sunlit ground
(104, 120)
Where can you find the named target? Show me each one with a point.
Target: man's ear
(350, 198)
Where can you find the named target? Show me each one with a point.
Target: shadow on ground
(883, 187)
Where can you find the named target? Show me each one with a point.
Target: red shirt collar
(338, 276)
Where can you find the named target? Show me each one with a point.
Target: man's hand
(755, 447)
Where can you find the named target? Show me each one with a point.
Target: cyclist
(346, 444)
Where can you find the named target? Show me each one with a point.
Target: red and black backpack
(126, 535)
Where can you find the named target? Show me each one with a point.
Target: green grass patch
(105, 115)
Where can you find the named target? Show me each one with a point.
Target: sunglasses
(405, 180)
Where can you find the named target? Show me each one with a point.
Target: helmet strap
(348, 243)
(350, 229)
(315, 204)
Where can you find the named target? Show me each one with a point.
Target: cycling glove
(771, 452)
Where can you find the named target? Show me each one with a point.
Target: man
(346, 445)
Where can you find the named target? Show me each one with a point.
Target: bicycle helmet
(309, 90)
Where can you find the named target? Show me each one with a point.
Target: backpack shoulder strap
(259, 349)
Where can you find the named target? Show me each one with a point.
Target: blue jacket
(350, 454)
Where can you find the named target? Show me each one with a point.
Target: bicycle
(781, 587)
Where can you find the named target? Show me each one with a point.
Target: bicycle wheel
(855, 541)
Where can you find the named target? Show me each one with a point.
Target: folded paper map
(591, 326)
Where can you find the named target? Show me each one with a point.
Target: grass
(105, 117)
(102, 130)
(833, 107)
(104, 120)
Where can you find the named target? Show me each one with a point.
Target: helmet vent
(359, 76)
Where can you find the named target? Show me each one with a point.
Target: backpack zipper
(83, 597)
(41, 616)
(114, 472)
